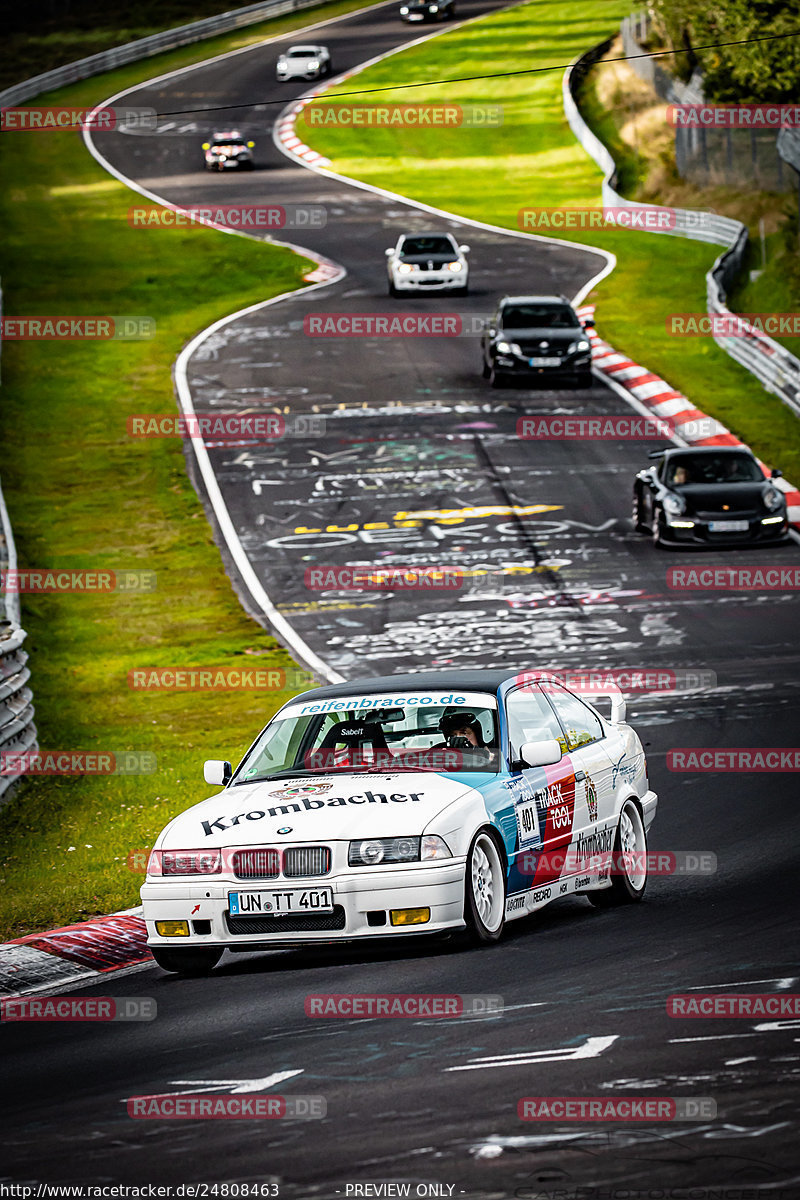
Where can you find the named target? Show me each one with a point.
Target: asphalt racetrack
(421, 465)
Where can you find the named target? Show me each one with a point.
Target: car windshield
(303, 52)
(540, 316)
(228, 141)
(397, 733)
(427, 245)
(682, 470)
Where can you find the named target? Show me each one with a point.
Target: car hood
(327, 807)
(710, 497)
(541, 335)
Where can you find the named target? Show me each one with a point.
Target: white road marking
(593, 1047)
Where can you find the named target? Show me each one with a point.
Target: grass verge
(82, 494)
(533, 160)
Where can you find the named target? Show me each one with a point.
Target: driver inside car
(463, 731)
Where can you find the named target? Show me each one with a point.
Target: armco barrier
(17, 730)
(771, 363)
(169, 39)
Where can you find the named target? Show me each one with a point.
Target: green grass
(533, 159)
(82, 494)
(91, 26)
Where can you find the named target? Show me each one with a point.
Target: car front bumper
(699, 534)
(433, 281)
(573, 364)
(438, 887)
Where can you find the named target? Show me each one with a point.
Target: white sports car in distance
(304, 62)
(446, 800)
(427, 262)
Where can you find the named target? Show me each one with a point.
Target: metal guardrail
(17, 730)
(169, 39)
(772, 364)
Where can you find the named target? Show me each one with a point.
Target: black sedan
(710, 496)
(536, 337)
(428, 10)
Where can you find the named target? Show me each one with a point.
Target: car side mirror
(464, 249)
(588, 323)
(619, 710)
(389, 252)
(540, 754)
(777, 473)
(217, 771)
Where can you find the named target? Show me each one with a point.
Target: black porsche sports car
(708, 495)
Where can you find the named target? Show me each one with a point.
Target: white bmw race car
(403, 805)
(427, 262)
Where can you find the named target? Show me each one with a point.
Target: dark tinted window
(540, 316)
(427, 245)
(685, 469)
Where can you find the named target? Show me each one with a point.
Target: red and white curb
(76, 953)
(660, 399)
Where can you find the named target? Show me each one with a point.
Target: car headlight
(579, 347)
(454, 266)
(370, 852)
(185, 862)
(772, 498)
(433, 8)
(404, 11)
(508, 348)
(434, 846)
(673, 505)
(405, 268)
(313, 64)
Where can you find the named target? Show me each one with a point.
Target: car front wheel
(197, 961)
(636, 512)
(485, 887)
(629, 863)
(496, 378)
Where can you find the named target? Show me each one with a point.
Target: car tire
(657, 530)
(627, 886)
(496, 378)
(452, 13)
(485, 369)
(584, 379)
(392, 289)
(197, 961)
(485, 890)
(636, 511)
(463, 291)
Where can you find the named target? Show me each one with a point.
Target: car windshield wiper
(283, 774)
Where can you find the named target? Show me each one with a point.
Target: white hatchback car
(304, 62)
(427, 262)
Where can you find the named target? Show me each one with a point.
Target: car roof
(426, 233)
(696, 450)
(465, 681)
(535, 300)
(307, 46)
(233, 134)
